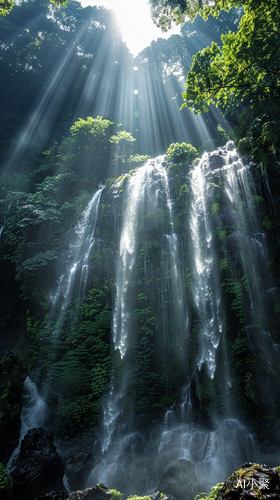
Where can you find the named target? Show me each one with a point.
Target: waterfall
(34, 413)
(206, 288)
(225, 257)
(72, 283)
(147, 205)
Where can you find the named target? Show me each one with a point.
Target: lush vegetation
(55, 152)
(5, 484)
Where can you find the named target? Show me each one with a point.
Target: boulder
(252, 481)
(38, 468)
(97, 492)
(180, 481)
(54, 495)
(77, 468)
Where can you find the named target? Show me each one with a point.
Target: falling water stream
(34, 413)
(72, 282)
(216, 451)
(222, 196)
(206, 288)
(35, 410)
(147, 190)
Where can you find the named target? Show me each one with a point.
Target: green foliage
(33, 345)
(138, 160)
(222, 234)
(267, 222)
(166, 12)
(117, 494)
(246, 67)
(181, 153)
(135, 497)
(239, 353)
(212, 495)
(258, 199)
(122, 136)
(260, 139)
(215, 207)
(236, 288)
(6, 6)
(96, 128)
(224, 264)
(6, 491)
(79, 362)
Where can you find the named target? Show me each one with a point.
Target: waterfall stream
(222, 209)
(72, 283)
(34, 413)
(206, 287)
(185, 268)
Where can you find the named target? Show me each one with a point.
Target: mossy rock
(251, 481)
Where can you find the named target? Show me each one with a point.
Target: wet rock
(38, 469)
(98, 492)
(12, 375)
(216, 161)
(157, 495)
(251, 481)
(180, 481)
(54, 495)
(78, 467)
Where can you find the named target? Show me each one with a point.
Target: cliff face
(156, 307)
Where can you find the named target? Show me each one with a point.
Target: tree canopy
(7, 5)
(245, 68)
(165, 12)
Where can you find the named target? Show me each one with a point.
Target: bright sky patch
(134, 19)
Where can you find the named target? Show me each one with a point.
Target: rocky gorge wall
(193, 304)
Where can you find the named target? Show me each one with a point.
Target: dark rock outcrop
(252, 481)
(101, 492)
(77, 467)
(54, 495)
(38, 469)
(97, 492)
(180, 481)
(12, 375)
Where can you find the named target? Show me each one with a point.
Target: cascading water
(72, 283)
(34, 413)
(224, 236)
(147, 200)
(178, 280)
(206, 287)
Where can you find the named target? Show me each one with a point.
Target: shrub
(181, 153)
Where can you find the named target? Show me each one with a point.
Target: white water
(147, 191)
(127, 455)
(77, 263)
(144, 191)
(214, 452)
(34, 414)
(206, 288)
(142, 194)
